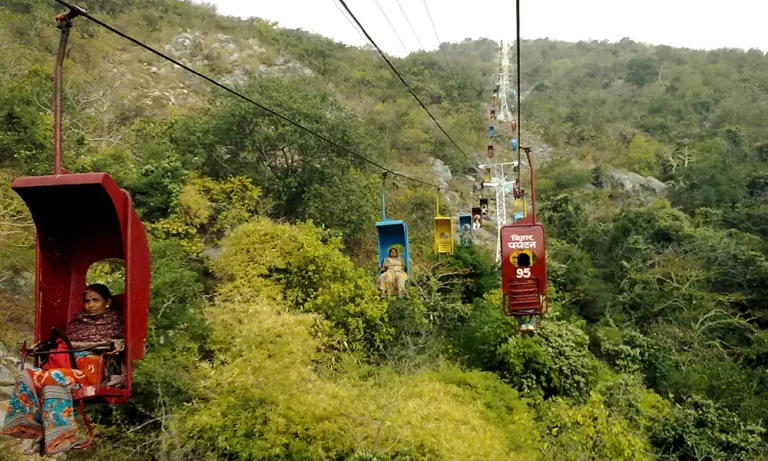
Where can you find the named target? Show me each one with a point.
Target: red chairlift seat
(524, 268)
(82, 219)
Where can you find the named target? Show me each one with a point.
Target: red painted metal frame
(477, 211)
(88, 425)
(82, 219)
(525, 234)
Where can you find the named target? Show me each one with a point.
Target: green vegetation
(267, 338)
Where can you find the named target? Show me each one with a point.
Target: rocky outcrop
(237, 56)
(441, 173)
(635, 185)
(182, 44)
(7, 378)
(224, 42)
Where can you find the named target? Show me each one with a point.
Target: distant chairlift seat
(393, 233)
(477, 215)
(465, 219)
(484, 207)
(443, 235)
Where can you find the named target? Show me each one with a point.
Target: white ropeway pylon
(502, 186)
(505, 114)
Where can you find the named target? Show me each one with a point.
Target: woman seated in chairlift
(476, 221)
(41, 405)
(466, 237)
(393, 276)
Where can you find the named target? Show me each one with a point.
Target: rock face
(7, 379)
(186, 46)
(635, 185)
(441, 173)
(182, 44)
(223, 41)
(255, 46)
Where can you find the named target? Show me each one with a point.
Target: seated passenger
(41, 405)
(392, 279)
(466, 237)
(476, 222)
(526, 322)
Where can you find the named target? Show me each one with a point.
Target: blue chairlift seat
(392, 232)
(464, 218)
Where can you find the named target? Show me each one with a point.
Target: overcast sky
(706, 24)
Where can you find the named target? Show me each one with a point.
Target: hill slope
(267, 338)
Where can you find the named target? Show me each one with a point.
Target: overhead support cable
(356, 30)
(439, 42)
(272, 112)
(397, 73)
(410, 25)
(349, 21)
(519, 96)
(392, 27)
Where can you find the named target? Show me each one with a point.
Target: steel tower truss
(505, 114)
(501, 184)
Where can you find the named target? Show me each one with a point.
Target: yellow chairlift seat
(443, 232)
(519, 210)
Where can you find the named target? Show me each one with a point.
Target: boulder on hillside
(223, 41)
(6, 377)
(255, 46)
(182, 44)
(635, 185)
(441, 173)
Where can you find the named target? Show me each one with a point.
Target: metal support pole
(64, 23)
(533, 184)
(383, 202)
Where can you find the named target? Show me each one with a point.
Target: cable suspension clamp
(65, 19)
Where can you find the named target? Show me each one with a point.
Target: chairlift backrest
(524, 267)
(393, 233)
(443, 235)
(465, 219)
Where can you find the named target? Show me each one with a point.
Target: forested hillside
(267, 337)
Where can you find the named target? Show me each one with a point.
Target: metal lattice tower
(500, 183)
(504, 72)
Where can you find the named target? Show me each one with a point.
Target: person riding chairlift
(466, 237)
(393, 276)
(41, 405)
(525, 322)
